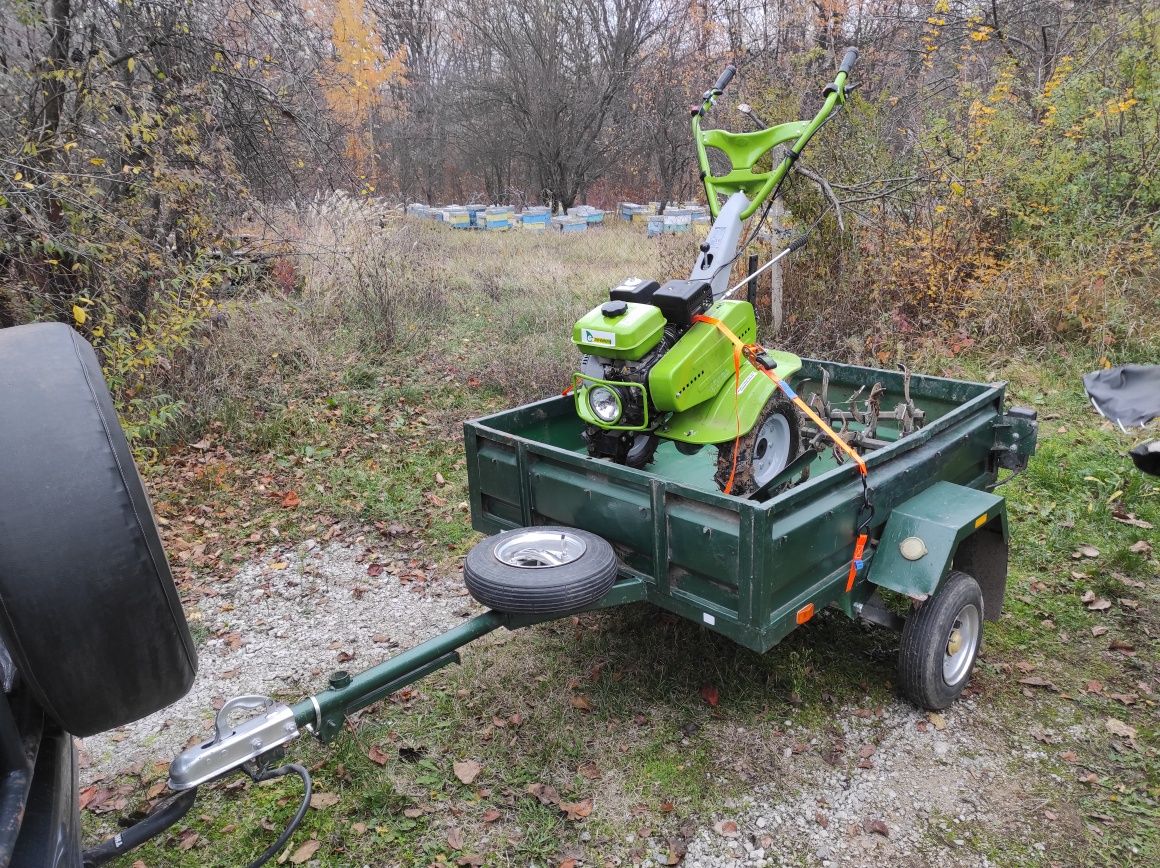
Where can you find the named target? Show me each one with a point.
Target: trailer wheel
(768, 448)
(541, 571)
(940, 642)
(88, 609)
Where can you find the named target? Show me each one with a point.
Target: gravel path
(278, 628)
(895, 787)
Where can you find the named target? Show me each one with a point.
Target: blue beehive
(536, 217)
(570, 224)
(497, 218)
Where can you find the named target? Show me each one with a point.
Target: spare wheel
(88, 609)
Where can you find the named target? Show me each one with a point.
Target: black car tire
(953, 614)
(543, 590)
(88, 609)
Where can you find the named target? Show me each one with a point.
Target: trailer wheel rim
(771, 449)
(962, 641)
(539, 549)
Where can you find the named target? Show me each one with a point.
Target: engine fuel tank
(619, 330)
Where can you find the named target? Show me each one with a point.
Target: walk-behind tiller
(679, 361)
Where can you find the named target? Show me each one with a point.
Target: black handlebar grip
(849, 60)
(725, 78)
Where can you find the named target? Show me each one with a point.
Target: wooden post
(776, 277)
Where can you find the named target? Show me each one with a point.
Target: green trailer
(752, 569)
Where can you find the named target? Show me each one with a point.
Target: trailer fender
(945, 526)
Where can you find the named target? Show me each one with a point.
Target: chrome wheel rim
(538, 549)
(961, 642)
(771, 449)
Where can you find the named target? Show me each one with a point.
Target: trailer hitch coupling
(232, 746)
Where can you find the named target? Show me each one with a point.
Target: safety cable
(308, 789)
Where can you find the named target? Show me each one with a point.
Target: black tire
(926, 641)
(88, 609)
(640, 453)
(547, 591)
(751, 443)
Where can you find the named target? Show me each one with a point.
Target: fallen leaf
(1099, 631)
(1124, 647)
(358, 828)
(937, 720)
(291, 500)
(187, 840)
(305, 851)
(412, 813)
(1100, 605)
(726, 829)
(581, 703)
(491, 815)
(875, 826)
(545, 794)
(866, 751)
(473, 859)
(1130, 519)
(710, 694)
(821, 819)
(467, 770)
(1087, 597)
(455, 838)
(576, 810)
(318, 801)
(1118, 727)
(589, 770)
(1142, 547)
(1086, 552)
(439, 480)
(376, 755)
(375, 570)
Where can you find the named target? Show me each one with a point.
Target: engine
(623, 339)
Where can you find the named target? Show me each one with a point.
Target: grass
(297, 398)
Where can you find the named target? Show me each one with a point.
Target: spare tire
(540, 571)
(88, 609)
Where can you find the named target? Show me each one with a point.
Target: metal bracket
(234, 746)
(1015, 436)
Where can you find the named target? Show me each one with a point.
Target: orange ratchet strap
(750, 352)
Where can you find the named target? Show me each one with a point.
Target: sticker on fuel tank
(746, 382)
(604, 339)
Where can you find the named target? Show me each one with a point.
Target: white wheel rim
(537, 549)
(961, 642)
(771, 449)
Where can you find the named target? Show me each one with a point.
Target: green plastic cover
(698, 365)
(628, 336)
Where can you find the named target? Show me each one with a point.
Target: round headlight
(604, 403)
